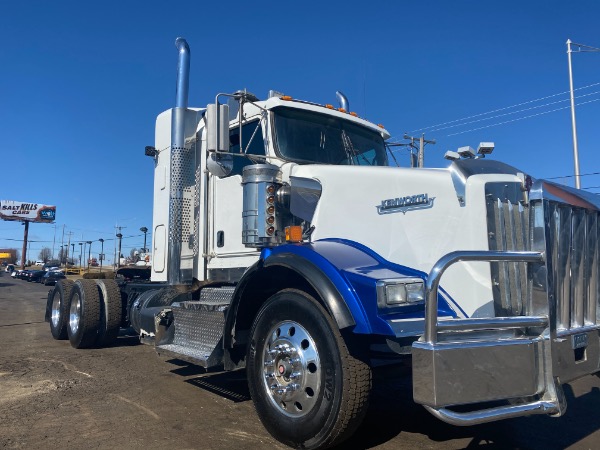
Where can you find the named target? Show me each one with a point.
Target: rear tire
(84, 314)
(111, 311)
(59, 308)
(308, 389)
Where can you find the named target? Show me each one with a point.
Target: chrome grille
(508, 230)
(573, 253)
(571, 242)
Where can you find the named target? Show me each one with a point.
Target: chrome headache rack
(544, 251)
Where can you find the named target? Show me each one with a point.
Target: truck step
(198, 328)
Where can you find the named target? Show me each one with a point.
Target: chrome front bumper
(517, 362)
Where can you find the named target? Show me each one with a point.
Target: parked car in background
(50, 278)
(23, 274)
(16, 273)
(35, 275)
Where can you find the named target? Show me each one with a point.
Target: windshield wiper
(351, 152)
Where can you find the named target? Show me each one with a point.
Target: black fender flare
(332, 299)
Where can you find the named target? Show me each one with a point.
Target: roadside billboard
(30, 212)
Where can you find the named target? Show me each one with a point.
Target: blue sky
(81, 84)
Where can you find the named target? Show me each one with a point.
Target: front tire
(308, 389)
(84, 314)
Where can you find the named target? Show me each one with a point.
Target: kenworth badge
(404, 204)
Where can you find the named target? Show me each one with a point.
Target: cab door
(228, 257)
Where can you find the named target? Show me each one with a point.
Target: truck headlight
(400, 291)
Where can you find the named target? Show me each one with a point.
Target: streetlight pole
(144, 230)
(80, 253)
(89, 243)
(580, 48)
(101, 253)
(119, 236)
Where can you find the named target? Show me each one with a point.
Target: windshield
(306, 136)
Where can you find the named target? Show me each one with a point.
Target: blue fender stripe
(354, 271)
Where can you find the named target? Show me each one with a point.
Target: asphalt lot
(125, 396)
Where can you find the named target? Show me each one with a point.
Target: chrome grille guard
(547, 333)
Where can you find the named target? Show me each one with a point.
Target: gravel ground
(53, 396)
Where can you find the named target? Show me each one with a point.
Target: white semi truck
(285, 242)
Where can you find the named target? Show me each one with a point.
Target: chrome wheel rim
(55, 312)
(292, 369)
(75, 313)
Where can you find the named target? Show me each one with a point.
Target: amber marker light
(293, 233)
(328, 106)
(380, 125)
(285, 97)
(271, 199)
(270, 220)
(271, 210)
(341, 110)
(270, 189)
(270, 230)
(353, 114)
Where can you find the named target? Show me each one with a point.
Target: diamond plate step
(199, 328)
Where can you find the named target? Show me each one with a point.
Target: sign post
(26, 212)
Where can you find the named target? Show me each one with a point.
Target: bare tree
(62, 256)
(45, 254)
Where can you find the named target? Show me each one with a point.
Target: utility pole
(53, 242)
(62, 243)
(25, 237)
(580, 49)
(421, 150)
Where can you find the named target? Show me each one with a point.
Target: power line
(571, 176)
(505, 108)
(520, 118)
(513, 112)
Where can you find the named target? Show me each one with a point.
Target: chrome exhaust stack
(174, 273)
(343, 100)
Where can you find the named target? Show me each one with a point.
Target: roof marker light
(341, 110)
(328, 106)
(353, 114)
(285, 97)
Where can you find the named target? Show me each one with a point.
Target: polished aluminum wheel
(292, 369)
(55, 313)
(75, 313)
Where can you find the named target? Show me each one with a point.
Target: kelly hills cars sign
(31, 212)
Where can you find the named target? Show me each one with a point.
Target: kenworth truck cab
(285, 242)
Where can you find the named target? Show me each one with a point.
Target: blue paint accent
(354, 270)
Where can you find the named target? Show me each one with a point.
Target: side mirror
(219, 164)
(217, 128)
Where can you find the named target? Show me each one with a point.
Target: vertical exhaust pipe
(343, 100)
(174, 275)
